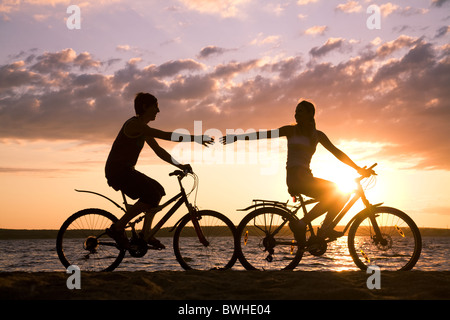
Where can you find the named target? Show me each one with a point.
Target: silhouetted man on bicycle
(120, 167)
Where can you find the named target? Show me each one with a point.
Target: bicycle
(268, 238)
(202, 239)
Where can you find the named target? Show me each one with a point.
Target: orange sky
(380, 94)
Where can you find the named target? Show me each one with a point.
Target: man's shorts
(137, 185)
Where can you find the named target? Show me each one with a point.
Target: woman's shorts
(301, 181)
(137, 185)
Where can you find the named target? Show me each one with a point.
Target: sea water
(39, 255)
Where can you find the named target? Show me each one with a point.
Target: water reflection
(40, 255)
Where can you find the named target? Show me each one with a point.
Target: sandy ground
(225, 285)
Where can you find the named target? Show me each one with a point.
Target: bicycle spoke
(266, 241)
(82, 241)
(219, 253)
(396, 247)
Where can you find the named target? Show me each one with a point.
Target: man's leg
(132, 212)
(149, 215)
(117, 229)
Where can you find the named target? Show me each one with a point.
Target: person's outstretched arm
(323, 139)
(164, 155)
(136, 128)
(261, 134)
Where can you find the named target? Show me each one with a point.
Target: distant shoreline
(17, 234)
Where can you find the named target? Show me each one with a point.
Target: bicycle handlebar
(369, 171)
(179, 173)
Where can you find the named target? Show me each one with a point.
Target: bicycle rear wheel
(82, 241)
(400, 244)
(219, 253)
(265, 240)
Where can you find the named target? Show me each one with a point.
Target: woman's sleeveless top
(300, 151)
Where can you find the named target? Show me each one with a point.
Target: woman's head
(304, 115)
(304, 112)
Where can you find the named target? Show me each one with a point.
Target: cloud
(209, 51)
(393, 93)
(171, 41)
(306, 2)
(17, 171)
(410, 11)
(349, 7)
(286, 67)
(63, 61)
(331, 45)
(320, 30)
(261, 40)
(123, 47)
(388, 48)
(46, 7)
(222, 8)
(174, 67)
(227, 71)
(16, 75)
(388, 8)
(439, 3)
(276, 8)
(442, 32)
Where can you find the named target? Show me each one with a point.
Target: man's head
(143, 101)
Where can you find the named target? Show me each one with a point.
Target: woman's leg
(318, 210)
(331, 200)
(301, 181)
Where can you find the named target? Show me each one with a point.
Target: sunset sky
(381, 95)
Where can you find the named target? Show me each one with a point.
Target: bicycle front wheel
(82, 241)
(399, 246)
(265, 240)
(217, 253)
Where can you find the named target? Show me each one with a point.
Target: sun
(343, 176)
(346, 185)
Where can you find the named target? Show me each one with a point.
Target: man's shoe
(119, 236)
(156, 244)
(153, 242)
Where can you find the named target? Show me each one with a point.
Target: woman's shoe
(329, 233)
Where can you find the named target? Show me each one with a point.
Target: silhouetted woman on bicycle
(302, 139)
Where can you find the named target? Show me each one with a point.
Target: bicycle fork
(195, 222)
(378, 237)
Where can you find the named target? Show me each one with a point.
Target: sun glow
(340, 174)
(346, 185)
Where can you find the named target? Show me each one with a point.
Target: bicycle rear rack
(260, 203)
(271, 203)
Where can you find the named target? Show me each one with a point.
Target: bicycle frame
(181, 197)
(357, 194)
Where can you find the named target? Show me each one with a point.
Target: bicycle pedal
(155, 248)
(334, 237)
